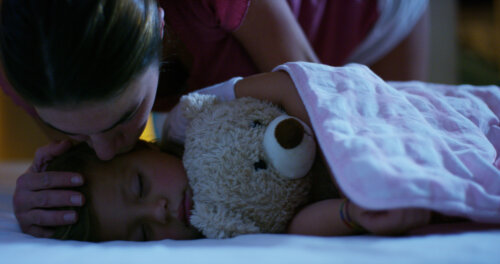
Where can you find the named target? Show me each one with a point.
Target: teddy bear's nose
(289, 133)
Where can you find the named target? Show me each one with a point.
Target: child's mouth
(186, 206)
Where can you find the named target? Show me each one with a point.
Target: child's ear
(195, 103)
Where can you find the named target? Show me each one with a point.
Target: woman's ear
(161, 13)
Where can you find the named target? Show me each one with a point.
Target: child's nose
(159, 210)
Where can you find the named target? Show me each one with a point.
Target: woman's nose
(103, 146)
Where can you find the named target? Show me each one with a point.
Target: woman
(89, 70)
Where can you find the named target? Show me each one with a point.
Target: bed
(463, 246)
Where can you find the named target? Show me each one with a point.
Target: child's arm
(320, 219)
(323, 218)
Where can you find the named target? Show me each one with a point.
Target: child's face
(142, 195)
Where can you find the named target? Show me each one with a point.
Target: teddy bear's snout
(289, 146)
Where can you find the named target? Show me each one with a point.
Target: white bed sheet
(16, 247)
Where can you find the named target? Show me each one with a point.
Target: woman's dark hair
(64, 52)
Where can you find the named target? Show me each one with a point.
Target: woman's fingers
(38, 190)
(46, 218)
(39, 231)
(37, 222)
(46, 153)
(48, 180)
(41, 221)
(26, 201)
(56, 198)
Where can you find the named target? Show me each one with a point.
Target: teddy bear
(247, 163)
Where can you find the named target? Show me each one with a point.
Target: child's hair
(81, 159)
(61, 53)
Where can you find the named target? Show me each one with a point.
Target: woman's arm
(409, 60)
(272, 36)
(276, 87)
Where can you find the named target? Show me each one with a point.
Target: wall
(19, 135)
(443, 50)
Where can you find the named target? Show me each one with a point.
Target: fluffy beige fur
(232, 195)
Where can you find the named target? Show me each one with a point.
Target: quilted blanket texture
(405, 144)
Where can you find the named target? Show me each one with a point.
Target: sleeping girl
(144, 195)
(139, 196)
(399, 151)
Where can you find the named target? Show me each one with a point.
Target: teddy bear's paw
(237, 187)
(194, 103)
(219, 222)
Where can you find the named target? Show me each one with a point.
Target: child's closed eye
(144, 233)
(139, 189)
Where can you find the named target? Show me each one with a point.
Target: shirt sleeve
(175, 124)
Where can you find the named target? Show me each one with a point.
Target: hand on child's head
(140, 195)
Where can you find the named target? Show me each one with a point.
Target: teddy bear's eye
(256, 123)
(260, 165)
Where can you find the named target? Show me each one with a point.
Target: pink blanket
(406, 144)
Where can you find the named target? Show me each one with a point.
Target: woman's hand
(38, 190)
(389, 222)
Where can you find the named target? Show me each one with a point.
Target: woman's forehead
(100, 116)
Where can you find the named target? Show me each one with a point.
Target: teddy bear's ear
(194, 103)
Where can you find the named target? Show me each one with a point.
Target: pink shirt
(333, 27)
